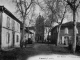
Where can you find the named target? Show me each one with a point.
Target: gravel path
(41, 52)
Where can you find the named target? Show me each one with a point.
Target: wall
(63, 35)
(10, 26)
(5, 38)
(70, 34)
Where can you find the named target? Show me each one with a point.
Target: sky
(8, 4)
(37, 9)
(11, 7)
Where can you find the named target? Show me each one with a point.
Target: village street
(41, 52)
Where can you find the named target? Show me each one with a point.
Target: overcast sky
(11, 7)
(8, 4)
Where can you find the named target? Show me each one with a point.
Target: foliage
(23, 8)
(53, 9)
(40, 27)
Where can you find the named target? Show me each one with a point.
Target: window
(66, 39)
(70, 37)
(62, 39)
(13, 25)
(8, 22)
(8, 38)
(17, 38)
(66, 31)
(17, 26)
(76, 30)
(78, 38)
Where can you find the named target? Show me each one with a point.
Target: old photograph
(39, 29)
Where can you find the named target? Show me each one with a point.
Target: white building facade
(10, 29)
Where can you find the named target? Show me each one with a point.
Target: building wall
(63, 36)
(79, 30)
(69, 35)
(9, 26)
(5, 41)
(17, 39)
(28, 35)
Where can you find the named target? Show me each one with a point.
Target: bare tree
(61, 12)
(55, 11)
(32, 15)
(74, 4)
(59, 26)
(23, 8)
(48, 7)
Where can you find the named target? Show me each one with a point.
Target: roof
(27, 31)
(68, 24)
(31, 28)
(3, 9)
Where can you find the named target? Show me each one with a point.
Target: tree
(74, 5)
(23, 8)
(55, 11)
(61, 16)
(31, 17)
(40, 28)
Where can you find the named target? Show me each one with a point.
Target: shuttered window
(8, 22)
(76, 31)
(66, 31)
(13, 25)
(17, 38)
(8, 38)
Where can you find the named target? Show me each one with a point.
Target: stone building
(9, 29)
(66, 33)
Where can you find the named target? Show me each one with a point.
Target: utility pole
(73, 6)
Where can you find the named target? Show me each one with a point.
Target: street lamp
(74, 5)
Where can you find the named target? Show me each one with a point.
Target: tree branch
(63, 16)
(69, 3)
(29, 6)
(78, 5)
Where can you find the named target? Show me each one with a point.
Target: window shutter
(66, 31)
(76, 31)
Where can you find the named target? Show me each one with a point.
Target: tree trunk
(74, 33)
(58, 32)
(22, 35)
